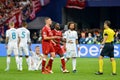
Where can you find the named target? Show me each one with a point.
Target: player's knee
(26, 56)
(53, 54)
(20, 56)
(16, 55)
(68, 58)
(62, 57)
(73, 57)
(9, 55)
(101, 57)
(112, 59)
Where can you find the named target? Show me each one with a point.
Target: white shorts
(71, 51)
(23, 49)
(12, 47)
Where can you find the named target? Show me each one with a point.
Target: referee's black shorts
(108, 50)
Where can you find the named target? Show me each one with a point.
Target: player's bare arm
(50, 38)
(104, 40)
(18, 41)
(6, 41)
(53, 41)
(56, 42)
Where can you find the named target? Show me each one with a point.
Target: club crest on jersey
(44, 33)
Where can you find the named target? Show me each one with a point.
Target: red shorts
(47, 48)
(58, 49)
(63, 49)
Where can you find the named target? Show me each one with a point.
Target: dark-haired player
(57, 46)
(71, 38)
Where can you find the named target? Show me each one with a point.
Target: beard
(72, 29)
(57, 28)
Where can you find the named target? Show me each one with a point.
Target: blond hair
(11, 24)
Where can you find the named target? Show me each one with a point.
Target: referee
(107, 48)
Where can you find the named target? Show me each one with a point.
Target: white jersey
(12, 35)
(71, 37)
(24, 35)
(35, 56)
(13, 41)
(36, 60)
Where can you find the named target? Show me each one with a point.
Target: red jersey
(47, 46)
(46, 31)
(58, 49)
(57, 33)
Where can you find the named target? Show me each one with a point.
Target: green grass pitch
(86, 67)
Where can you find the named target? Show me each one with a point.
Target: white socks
(17, 61)
(74, 63)
(8, 62)
(27, 60)
(20, 62)
(29, 63)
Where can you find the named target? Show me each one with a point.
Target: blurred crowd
(85, 36)
(10, 7)
(95, 36)
(2, 38)
(36, 37)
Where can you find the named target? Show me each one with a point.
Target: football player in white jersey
(12, 42)
(36, 59)
(25, 42)
(71, 39)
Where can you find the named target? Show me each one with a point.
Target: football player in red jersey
(57, 46)
(47, 46)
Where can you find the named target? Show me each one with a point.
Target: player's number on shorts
(23, 34)
(13, 35)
